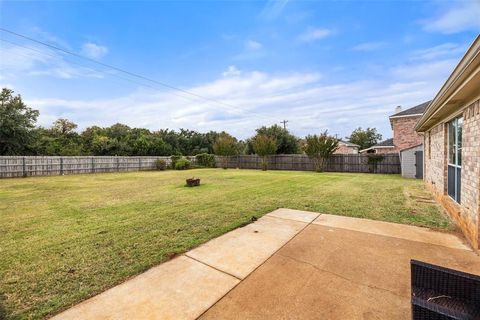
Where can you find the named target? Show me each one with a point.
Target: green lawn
(63, 239)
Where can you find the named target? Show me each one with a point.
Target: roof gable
(417, 110)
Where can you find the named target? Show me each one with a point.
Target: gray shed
(408, 161)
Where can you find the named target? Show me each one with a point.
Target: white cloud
(251, 50)
(369, 46)
(440, 51)
(44, 35)
(462, 16)
(231, 71)
(314, 34)
(253, 45)
(273, 9)
(426, 70)
(260, 98)
(93, 50)
(17, 61)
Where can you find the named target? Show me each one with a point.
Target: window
(455, 128)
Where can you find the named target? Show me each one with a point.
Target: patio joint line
(340, 276)
(206, 264)
(269, 257)
(289, 219)
(461, 238)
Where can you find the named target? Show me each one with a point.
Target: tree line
(19, 135)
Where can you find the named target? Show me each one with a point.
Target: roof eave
(376, 147)
(461, 72)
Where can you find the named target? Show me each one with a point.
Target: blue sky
(319, 64)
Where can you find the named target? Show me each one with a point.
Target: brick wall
(435, 157)
(343, 149)
(404, 134)
(466, 214)
(386, 150)
(471, 168)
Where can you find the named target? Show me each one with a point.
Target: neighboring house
(451, 127)
(404, 134)
(386, 146)
(406, 142)
(345, 147)
(403, 126)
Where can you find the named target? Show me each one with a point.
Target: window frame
(455, 124)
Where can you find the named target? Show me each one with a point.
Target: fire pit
(193, 182)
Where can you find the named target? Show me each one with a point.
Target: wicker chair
(440, 293)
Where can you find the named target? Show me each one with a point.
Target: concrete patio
(287, 265)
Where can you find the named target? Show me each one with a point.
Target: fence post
(118, 165)
(139, 164)
(24, 169)
(93, 165)
(61, 166)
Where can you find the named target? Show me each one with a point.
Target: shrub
(205, 160)
(320, 148)
(373, 160)
(160, 164)
(182, 164)
(264, 146)
(225, 146)
(174, 160)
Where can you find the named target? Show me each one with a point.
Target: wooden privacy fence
(336, 163)
(14, 166)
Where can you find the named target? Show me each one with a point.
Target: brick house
(345, 147)
(403, 126)
(404, 134)
(384, 147)
(451, 128)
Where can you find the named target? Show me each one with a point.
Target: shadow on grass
(3, 310)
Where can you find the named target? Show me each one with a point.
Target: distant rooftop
(419, 109)
(347, 143)
(385, 143)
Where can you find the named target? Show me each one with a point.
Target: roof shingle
(385, 143)
(420, 109)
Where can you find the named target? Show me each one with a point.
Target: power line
(43, 53)
(130, 73)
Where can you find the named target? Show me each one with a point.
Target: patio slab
(297, 215)
(179, 289)
(336, 273)
(395, 230)
(286, 266)
(240, 251)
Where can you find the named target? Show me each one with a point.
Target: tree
(59, 140)
(264, 146)
(225, 146)
(16, 124)
(64, 126)
(365, 138)
(287, 143)
(320, 148)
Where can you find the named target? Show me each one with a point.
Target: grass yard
(66, 238)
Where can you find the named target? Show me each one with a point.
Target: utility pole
(284, 124)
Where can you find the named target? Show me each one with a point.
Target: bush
(225, 145)
(174, 160)
(160, 164)
(320, 148)
(205, 160)
(373, 160)
(182, 164)
(264, 146)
